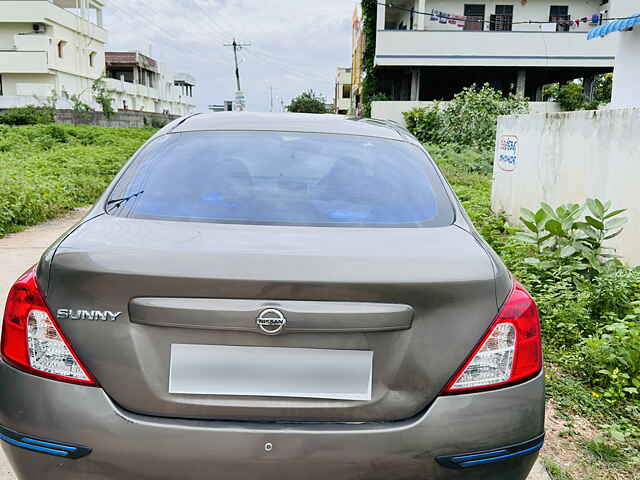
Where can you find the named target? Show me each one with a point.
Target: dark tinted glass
(284, 178)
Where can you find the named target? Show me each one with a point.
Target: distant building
(50, 47)
(342, 102)
(227, 106)
(57, 48)
(429, 57)
(144, 84)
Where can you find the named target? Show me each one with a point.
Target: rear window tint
(281, 178)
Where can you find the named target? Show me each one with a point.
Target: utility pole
(239, 103)
(271, 98)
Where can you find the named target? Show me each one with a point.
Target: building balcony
(12, 61)
(492, 49)
(51, 13)
(144, 91)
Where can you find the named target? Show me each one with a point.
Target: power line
(132, 16)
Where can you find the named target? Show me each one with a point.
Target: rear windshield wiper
(122, 200)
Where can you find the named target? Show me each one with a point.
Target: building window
(475, 17)
(61, 45)
(502, 21)
(92, 59)
(560, 16)
(346, 91)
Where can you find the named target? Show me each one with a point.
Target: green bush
(611, 359)
(469, 119)
(563, 238)
(155, 122)
(45, 169)
(308, 102)
(29, 115)
(571, 95)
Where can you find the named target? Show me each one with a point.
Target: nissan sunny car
(272, 297)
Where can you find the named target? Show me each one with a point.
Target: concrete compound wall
(118, 119)
(392, 110)
(569, 157)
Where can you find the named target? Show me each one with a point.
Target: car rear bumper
(124, 445)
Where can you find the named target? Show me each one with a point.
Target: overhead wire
(137, 15)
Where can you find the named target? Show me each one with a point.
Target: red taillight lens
(32, 340)
(510, 352)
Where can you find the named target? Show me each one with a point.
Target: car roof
(292, 122)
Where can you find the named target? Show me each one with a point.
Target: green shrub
(308, 102)
(571, 95)
(29, 115)
(469, 119)
(611, 359)
(155, 122)
(562, 238)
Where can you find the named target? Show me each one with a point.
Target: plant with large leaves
(562, 238)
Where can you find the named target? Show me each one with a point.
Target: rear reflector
(510, 352)
(43, 446)
(32, 340)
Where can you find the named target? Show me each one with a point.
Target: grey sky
(296, 44)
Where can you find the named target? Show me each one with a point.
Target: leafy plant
(369, 80)
(612, 358)
(81, 110)
(571, 95)
(104, 96)
(469, 119)
(308, 102)
(563, 239)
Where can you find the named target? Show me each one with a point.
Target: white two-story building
(430, 49)
(57, 48)
(49, 46)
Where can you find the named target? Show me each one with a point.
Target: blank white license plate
(270, 372)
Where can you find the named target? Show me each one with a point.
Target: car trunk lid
(416, 299)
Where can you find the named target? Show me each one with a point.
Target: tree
(308, 102)
(571, 95)
(104, 96)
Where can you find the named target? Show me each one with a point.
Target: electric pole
(239, 103)
(271, 98)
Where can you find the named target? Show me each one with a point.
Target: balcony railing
(497, 48)
(12, 61)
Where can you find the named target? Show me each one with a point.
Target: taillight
(32, 340)
(510, 352)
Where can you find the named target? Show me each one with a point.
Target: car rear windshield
(282, 178)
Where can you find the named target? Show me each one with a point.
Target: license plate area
(270, 372)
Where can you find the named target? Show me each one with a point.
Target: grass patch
(605, 451)
(555, 471)
(47, 169)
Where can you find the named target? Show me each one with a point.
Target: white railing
(424, 47)
(13, 61)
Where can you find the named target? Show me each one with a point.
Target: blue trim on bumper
(42, 446)
(474, 459)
